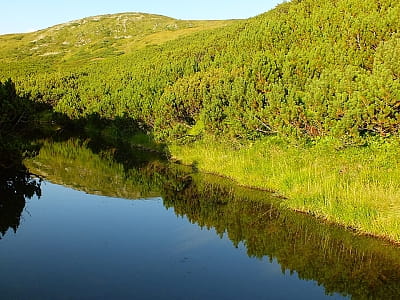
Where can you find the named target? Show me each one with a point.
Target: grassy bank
(358, 187)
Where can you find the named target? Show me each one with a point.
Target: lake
(100, 222)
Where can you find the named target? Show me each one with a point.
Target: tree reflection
(16, 185)
(342, 262)
(355, 266)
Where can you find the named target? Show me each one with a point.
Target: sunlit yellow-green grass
(98, 37)
(358, 187)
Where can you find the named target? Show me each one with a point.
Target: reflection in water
(342, 262)
(17, 117)
(336, 259)
(88, 167)
(16, 185)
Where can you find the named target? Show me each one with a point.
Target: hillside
(97, 37)
(304, 69)
(303, 99)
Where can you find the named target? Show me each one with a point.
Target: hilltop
(97, 37)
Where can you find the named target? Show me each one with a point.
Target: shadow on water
(342, 262)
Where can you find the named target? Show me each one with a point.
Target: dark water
(121, 224)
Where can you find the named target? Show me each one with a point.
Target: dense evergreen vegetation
(305, 69)
(18, 117)
(319, 73)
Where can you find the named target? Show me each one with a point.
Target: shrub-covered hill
(305, 69)
(321, 71)
(95, 38)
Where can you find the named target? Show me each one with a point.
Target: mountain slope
(98, 37)
(322, 74)
(307, 69)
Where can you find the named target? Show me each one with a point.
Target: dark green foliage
(12, 109)
(16, 112)
(16, 185)
(306, 69)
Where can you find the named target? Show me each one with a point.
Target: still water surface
(73, 245)
(119, 223)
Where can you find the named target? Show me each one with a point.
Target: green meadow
(357, 187)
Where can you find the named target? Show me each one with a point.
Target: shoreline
(321, 219)
(364, 213)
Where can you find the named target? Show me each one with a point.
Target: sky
(30, 15)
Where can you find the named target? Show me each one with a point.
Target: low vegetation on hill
(320, 77)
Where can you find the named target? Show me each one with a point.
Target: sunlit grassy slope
(98, 37)
(310, 72)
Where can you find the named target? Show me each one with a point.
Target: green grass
(97, 38)
(358, 187)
